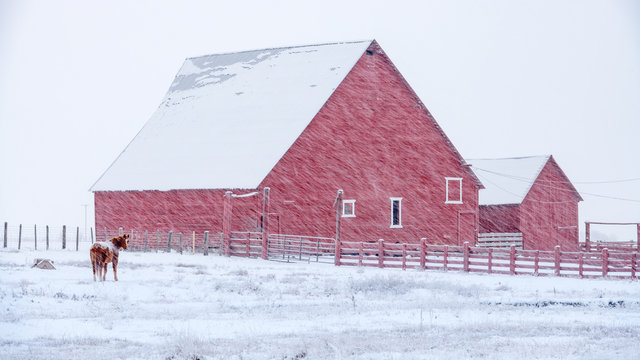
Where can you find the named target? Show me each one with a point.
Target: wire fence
(43, 237)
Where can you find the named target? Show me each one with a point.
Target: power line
(523, 179)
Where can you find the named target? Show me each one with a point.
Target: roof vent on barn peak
(252, 104)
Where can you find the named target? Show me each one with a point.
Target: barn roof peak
(507, 180)
(228, 118)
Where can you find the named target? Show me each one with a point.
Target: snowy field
(172, 306)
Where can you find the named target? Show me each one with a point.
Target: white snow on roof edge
(227, 119)
(507, 180)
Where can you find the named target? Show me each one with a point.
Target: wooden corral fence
(500, 240)
(280, 247)
(301, 248)
(625, 246)
(489, 260)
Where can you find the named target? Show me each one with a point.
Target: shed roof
(507, 180)
(227, 119)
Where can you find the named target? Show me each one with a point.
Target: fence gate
(296, 248)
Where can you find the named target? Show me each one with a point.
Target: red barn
(305, 122)
(528, 195)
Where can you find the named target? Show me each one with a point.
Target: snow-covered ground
(172, 306)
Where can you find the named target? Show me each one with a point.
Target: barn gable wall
(374, 140)
(549, 212)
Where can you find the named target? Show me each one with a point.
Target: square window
(396, 212)
(453, 190)
(348, 208)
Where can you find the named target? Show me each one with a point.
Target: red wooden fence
(385, 254)
(487, 260)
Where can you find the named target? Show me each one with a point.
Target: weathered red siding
(176, 210)
(500, 218)
(374, 140)
(549, 212)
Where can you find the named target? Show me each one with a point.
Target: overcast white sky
(78, 79)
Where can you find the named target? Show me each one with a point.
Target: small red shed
(528, 195)
(305, 122)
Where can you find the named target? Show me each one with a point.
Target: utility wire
(519, 178)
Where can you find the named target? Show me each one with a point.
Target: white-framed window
(396, 212)
(453, 190)
(348, 208)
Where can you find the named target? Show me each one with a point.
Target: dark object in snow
(46, 264)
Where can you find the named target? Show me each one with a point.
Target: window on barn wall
(349, 208)
(453, 190)
(396, 212)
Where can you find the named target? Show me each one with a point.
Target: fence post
(265, 246)
(634, 264)
(404, 256)
(423, 253)
(446, 257)
(120, 231)
(47, 237)
(380, 253)
(35, 237)
(581, 265)
(169, 241)
(265, 223)
(226, 220)
(221, 243)
(20, 237)
(536, 263)
(91, 234)
(105, 233)
(5, 234)
(180, 240)
(77, 237)
(490, 260)
(248, 248)
(338, 250)
(206, 243)
(193, 243)
(465, 253)
(512, 259)
(556, 258)
(605, 262)
(146, 238)
(64, 237)
(157, 239)
(587, 236)
(284, 247)
(360, 246)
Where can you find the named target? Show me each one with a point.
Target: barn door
(466, 227)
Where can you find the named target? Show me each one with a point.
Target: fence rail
(511, 261)
(624, 246)
(383, 254)
(500, 240)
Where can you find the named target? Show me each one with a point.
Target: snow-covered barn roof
(228, 118)
(507, 180)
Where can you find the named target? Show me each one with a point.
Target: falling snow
(171, 306)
